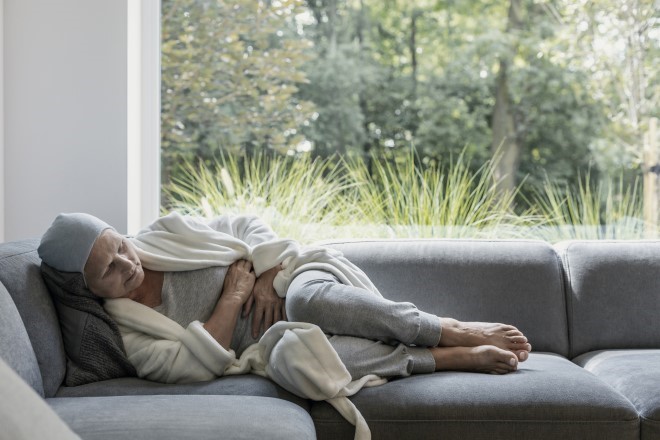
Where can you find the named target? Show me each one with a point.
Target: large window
(400, 118)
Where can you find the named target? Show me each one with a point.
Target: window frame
(143, 113)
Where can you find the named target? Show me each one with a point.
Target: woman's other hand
(268, 306)
(236, 291)
(239, 282)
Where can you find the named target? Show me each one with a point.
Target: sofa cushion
(547, 398)
(19, 272)
(613, 298)
(511, 281)
(243, 385)
(15, 346)
(636, 375)
(24, 414)
(183, 417)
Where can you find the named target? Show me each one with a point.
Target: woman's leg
(319, 298)
(365, 356)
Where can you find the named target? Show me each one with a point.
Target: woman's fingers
(257, 320)
(247, 307)
(277, 314)
(268, 317)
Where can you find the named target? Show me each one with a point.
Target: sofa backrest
(20, 274)
(613, 290)
(511, 281)
(15, 346)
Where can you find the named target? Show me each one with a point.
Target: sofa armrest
(24, 414)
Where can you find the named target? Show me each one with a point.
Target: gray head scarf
(67, 243)
(92, 340)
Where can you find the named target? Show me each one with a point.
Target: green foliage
(435, 201)
(312, 200)
(616, 44)
(333, 85)
(556, 137)
(606, 210)
(230, 73)
(296, 197)
(370, 78)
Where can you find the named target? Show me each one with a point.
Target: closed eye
(109, 270)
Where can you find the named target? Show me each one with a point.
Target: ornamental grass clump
(299, 198)
(606, 210)
(432, 201)
(314, 200)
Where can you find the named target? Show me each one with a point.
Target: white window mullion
(143, 123)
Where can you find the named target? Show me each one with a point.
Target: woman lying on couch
(228, 280)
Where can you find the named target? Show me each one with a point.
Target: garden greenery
(319, 199)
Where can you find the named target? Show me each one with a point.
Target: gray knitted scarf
(92, 341)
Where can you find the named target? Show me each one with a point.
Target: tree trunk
(332, 28)
(413, 49)
(505, 145)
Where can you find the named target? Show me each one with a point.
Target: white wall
(2, 130)
(65, 112)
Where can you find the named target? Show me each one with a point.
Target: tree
(230, 75)
(614, 42)
(505, 137)
(375, 77)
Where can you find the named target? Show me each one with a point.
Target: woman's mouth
(132, 275)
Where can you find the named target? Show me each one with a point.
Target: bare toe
(474, 334)
(517, 339)
(522, 355)
(482, 359)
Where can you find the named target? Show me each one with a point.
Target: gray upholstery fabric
(15, 346)
(92, 341)
(243, 385)
(547, 391)
(613, 298)
(636, 375)
(23, 413)
(19, 272)
(184, 417)
(473, 280)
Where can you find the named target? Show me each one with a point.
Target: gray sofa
(590, 310)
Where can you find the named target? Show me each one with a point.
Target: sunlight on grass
(432, 202)
(297, 198)
(313, 200)
(606, 210)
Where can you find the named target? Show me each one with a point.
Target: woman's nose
(123, 262)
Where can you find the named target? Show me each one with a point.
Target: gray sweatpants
(371, 334)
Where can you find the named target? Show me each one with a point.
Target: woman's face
(113, 269)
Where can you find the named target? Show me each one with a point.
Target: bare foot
(481, 359)
(473, 334)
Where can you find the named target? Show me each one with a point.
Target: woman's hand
(238, 283)
(236, 290)
(268, 307)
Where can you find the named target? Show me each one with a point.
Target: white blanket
(176, 243)
(295, 355)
